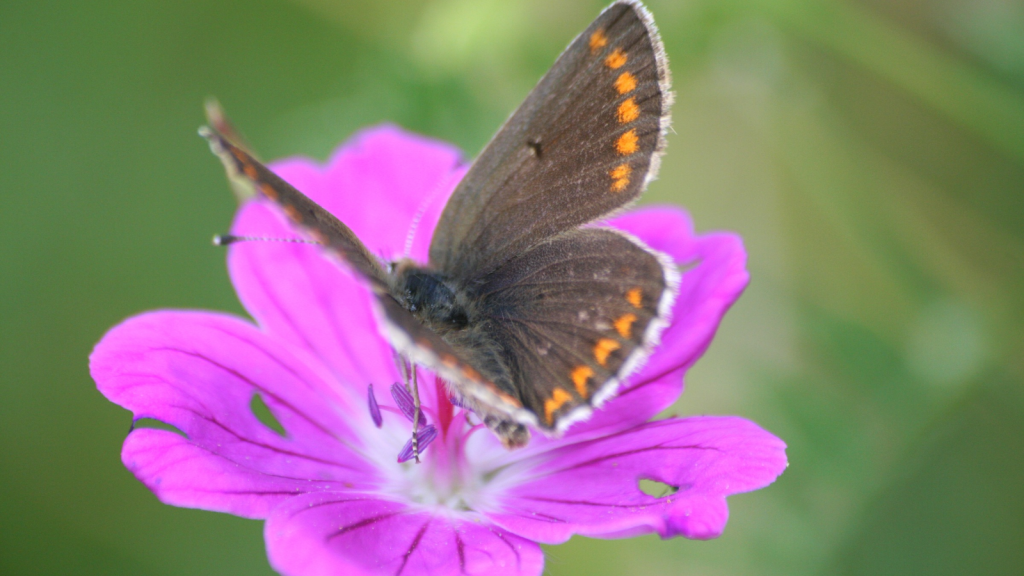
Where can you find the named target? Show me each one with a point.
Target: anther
(378, 420)
(418, 443)
(405, 402)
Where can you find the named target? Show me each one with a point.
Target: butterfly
(530, 310)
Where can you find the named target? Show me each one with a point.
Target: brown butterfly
(531, 317)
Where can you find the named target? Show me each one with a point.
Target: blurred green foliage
(871, 153)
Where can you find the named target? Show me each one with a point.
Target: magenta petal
(591, 487)
(378, 184)
(300, 296)
(385, 180)
(334, 499)
(198, 372)
(714, 275)
(330, 534)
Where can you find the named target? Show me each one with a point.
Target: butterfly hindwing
(424, 347)
(576, 315)
(584, 143)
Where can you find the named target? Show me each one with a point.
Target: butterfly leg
(409, 380)
(403, 367)
(415, 391)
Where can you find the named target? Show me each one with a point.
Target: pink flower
(335, 499)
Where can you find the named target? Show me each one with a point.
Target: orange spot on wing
(616, 59)
(558, 399)
(269, 191)
(628, 111)
(603, 348)
(449, 360)
(250, 171)
(628, 143)
(293, 213)
(625, 83)
(597, 41)
(621, 171)
(635, 297)
(509, 399)
(579, 376)
(470, 373)
(620, 177)
(624, 324)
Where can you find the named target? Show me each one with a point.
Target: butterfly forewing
(323, 226)
(576, 314)
(583, 143)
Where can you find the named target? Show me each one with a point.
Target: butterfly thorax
(456, 314)
(431, 297)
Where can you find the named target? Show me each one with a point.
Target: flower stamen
(375, 414)
(405, 403)
(423, 438)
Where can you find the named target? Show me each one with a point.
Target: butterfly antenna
(420, 211)
(227, 239)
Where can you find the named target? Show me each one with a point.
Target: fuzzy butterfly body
(532, 314)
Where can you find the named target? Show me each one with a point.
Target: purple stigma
(424, 437)
(406, 403)
(378, 420)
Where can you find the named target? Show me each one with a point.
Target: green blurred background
(870, 152)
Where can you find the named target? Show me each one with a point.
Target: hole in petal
(157, 425)
(262, 413)
(656, 488)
